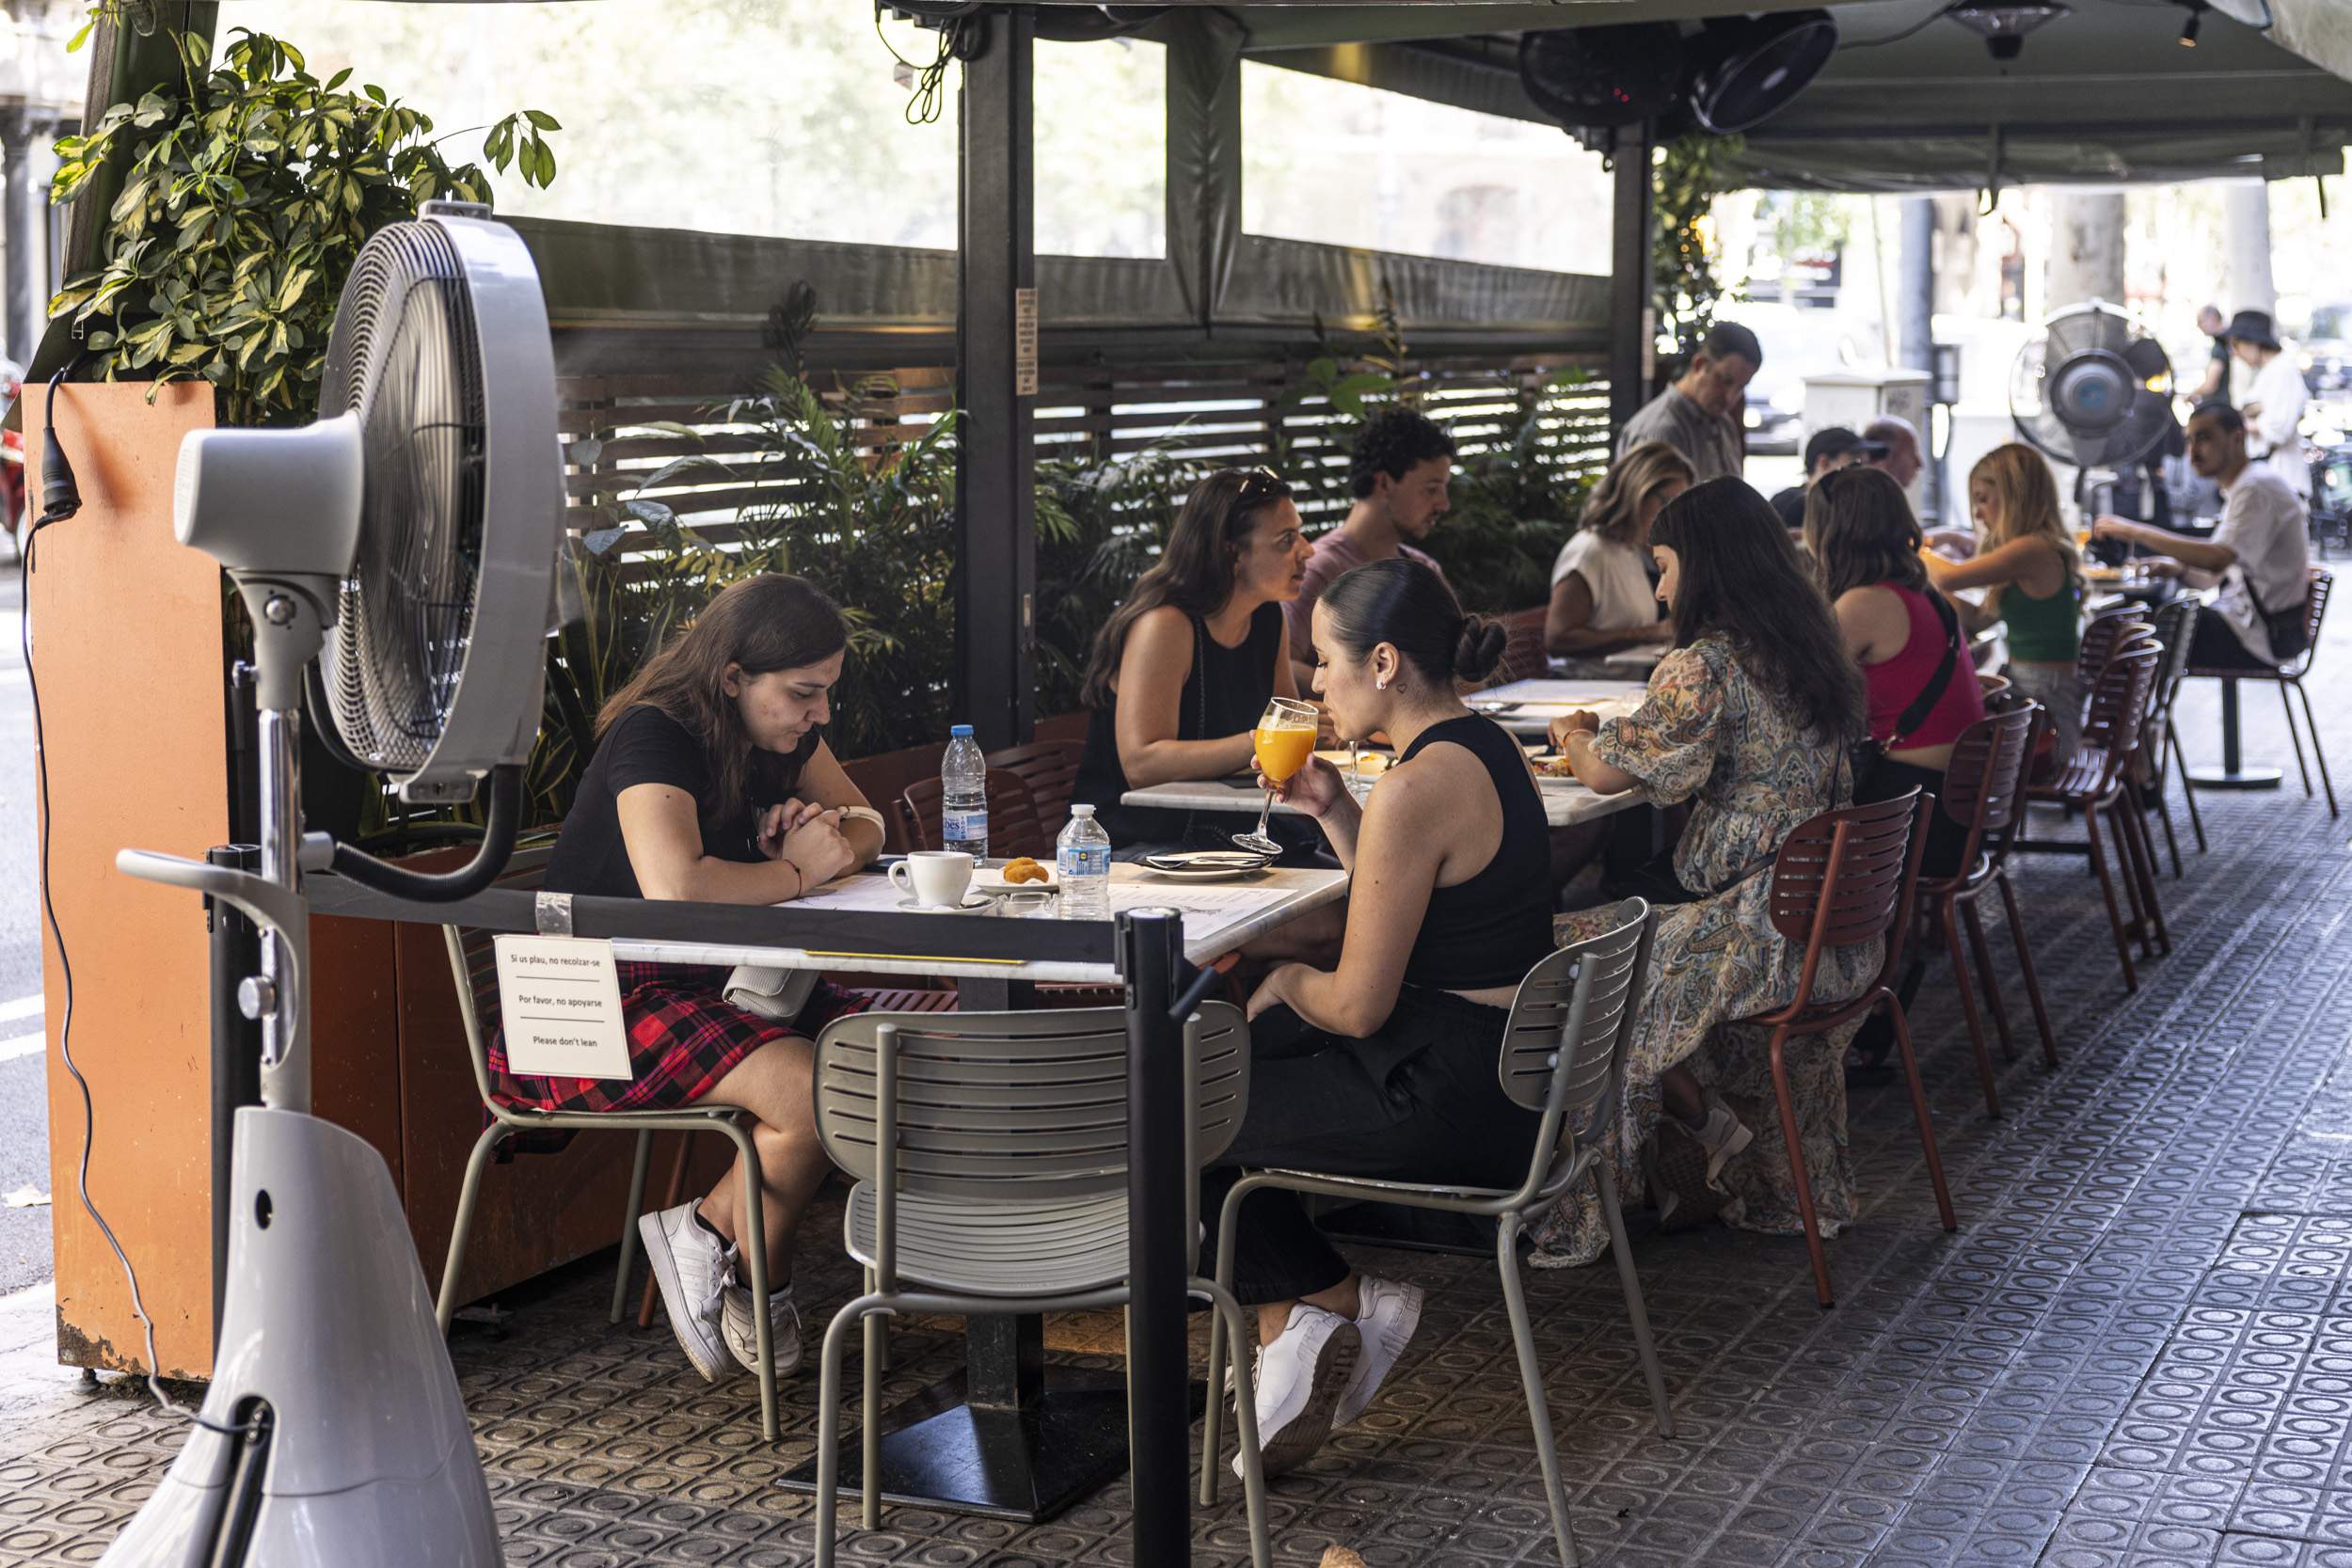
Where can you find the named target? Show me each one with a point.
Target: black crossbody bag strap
(1931, 693)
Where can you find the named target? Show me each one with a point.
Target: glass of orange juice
(1285, 738)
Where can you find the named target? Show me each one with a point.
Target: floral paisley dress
(1709, 733)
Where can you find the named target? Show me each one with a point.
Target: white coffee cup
(935, 878)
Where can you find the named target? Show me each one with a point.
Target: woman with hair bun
(1384, 1064)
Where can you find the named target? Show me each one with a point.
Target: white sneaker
(691, 1266)
(1299, 1379)
(1392, 1310)
(1723, 1138)
(741, 1329)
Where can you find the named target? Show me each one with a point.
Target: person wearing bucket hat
(2274, 403)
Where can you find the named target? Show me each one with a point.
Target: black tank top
(1493, 928)
(1225, 694)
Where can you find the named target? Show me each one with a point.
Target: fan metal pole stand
(333, 1435)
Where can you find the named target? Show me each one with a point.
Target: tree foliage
(247, 191)
(1686, 178)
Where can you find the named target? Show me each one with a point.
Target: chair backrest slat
(1870, 878)
(1012, 818)
(2118, 705)
(1984, 782)
(1540, 1061)
(2098, 641)
(1050, 770)
(1013, 1107)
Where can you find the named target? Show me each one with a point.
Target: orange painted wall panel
(127, 646)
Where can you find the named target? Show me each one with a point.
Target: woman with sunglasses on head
(1748, 718)
(1382, 1063)
(1182, 672)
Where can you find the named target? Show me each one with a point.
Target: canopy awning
(1911, 102)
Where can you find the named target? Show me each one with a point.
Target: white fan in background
(411, 534)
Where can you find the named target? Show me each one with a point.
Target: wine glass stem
(1263, 812)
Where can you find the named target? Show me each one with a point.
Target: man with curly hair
(1399, 470)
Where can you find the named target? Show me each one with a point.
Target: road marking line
(24, 1007)
(23, 1045)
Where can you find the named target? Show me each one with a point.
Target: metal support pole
(236, 1075)
(2234, 772)
(997, 336)
(1632, 330)
(1917, 330)
(1159, 1392)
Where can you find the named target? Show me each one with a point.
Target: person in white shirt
(2274, 403)
(2259, 556)
(1601, 599)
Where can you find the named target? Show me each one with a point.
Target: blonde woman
(1600, 590)
(2032, 574)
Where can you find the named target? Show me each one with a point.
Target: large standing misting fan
(2090, 389)
(416, 523)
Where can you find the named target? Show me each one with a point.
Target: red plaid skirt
(683, 1038)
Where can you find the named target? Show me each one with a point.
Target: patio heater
(406, 543)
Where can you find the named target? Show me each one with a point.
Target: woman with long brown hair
(711, 781)
(2033, 574)
(1601, 589)
(1182, 672)
(1748, 718)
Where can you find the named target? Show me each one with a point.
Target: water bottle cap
(1080, 811)
(959, 732)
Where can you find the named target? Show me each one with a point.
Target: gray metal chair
(1564, 1051)
(473, 965)
(990, 1157)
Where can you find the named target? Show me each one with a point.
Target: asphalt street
(23, 1119)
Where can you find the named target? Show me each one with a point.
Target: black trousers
(1417, 1101)
(1946, 840)
(2214, 645)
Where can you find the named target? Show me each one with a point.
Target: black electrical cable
(497, 843)
(61, 499)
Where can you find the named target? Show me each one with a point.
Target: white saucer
(973, 902)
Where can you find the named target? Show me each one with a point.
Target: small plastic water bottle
(964, 795)
(1081, 863)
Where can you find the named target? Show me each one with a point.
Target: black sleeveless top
(1493, 928)
(1225, 694)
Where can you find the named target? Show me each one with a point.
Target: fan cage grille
(406, 356)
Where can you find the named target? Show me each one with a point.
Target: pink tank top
(1898, 683)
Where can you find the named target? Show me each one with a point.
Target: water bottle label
(1089, 860)
(963, 827)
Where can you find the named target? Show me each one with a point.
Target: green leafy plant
(1515, 501)
(1349, 387)
(247, 191)
(1101, 521)
(1686, 177)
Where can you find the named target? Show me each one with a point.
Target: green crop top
(2042, 631)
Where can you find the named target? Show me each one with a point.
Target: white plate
(991, 880)
(1205, 874)
(974, 903)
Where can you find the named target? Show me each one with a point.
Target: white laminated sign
(560, 1007)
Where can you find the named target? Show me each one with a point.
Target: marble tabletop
(1528, 707)
(1219, 918)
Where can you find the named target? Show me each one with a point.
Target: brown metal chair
(1050, 769)
(1014, 828)
(2159, 743)
(2290, 674)
(1523, 655)
(2099, 641)
(2096, 781)
(1983, 792)
(1992, 686)
(1842, 878)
